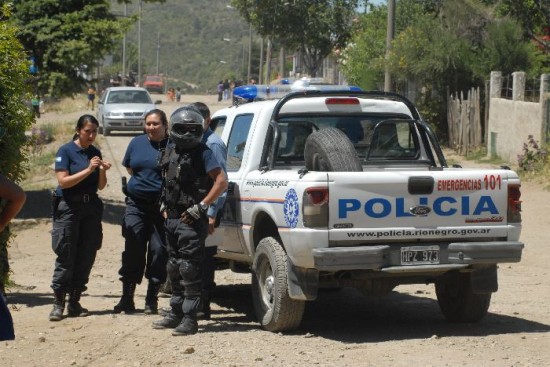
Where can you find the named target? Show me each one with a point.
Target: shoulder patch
(58, 159)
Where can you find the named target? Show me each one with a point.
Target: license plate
(419, 255)
(133, 123)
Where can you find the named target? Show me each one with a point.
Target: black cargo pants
(77, 234)
(185, 256)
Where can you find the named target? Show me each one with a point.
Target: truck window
(237, 141)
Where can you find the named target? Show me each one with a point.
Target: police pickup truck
(350, 188)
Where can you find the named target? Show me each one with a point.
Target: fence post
(518, 86)
(496, 84)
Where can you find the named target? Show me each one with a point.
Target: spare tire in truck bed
(331, 150)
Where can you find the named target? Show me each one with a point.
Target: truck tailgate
(407, 205)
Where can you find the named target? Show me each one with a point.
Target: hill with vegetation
(199, 43)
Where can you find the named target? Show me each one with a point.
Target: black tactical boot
(74, 309)
(58, 306)
(151, 298)
(205, 313)
(126, 303)
(188, 326)
(166, 289)
(170, 321)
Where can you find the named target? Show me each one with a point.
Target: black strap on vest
(185, 180)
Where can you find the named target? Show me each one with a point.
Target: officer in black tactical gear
(192, 180)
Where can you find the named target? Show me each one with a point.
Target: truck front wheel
(274, 308)
(457, 300)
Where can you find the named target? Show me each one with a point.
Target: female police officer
(143, 225)
(77, 210)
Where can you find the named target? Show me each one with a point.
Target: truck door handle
(421, 185)
(230, 188)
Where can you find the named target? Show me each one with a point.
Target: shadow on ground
(39, 206)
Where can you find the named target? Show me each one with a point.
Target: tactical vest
(185, 180)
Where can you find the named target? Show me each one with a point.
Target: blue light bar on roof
(263, 91)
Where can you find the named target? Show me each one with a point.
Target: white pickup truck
(351, 189)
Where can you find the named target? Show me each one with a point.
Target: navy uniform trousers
(144, 250)
(77, 234)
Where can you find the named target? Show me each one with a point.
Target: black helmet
(186, 128)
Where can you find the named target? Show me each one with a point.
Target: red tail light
(514, 203)
(315, 207)
(317, 195)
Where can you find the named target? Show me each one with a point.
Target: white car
(124, 109)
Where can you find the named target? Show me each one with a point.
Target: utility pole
(260, 74)
(158, 51)
(139, 45)
(389, 37)
(124, 44)
(249, 70)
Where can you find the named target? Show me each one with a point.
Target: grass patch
(46, 141)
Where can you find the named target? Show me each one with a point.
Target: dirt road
(342, 328)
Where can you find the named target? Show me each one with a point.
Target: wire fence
(532, 88)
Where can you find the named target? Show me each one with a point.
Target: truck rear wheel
(274, 308)
(331, 150)
(457, 300)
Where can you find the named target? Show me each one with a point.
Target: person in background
(178, 94)
(35, 102)
(217, 146)
(171, 94)
(192, 180)
(143, 225)
(77, 210)
(13, 197)
(91, 98)
(220, 90)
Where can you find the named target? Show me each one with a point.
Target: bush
(534, 156)
(15, 116)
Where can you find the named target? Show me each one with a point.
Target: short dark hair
(159, 112)
(202, 108)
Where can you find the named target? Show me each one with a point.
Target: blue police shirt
(72, 158)
(218, 148)
(142, 157)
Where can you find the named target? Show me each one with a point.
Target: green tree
(15, 115)
(533, 15)
(316, 28)
(67, 38)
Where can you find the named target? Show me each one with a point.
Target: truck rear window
(374, 137)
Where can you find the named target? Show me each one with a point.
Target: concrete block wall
(512, 121)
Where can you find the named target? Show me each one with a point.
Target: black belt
(175, 213)
(80, 198)
(144, 201)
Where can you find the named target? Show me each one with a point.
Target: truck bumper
(387, 258)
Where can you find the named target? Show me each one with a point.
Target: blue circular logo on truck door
(291, 208)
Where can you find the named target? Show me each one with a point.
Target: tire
(458, 302)
(106, 132)
(275, 310)
(331, 150)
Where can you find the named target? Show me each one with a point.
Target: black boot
(74, 309)
(205, 312)
(126, 303)
(58, 306)
(170, 321)
(151, 298)
(188, 326)
(166, 289)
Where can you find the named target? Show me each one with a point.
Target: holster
(55, 203)
(124, 186)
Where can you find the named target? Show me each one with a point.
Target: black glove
(193, 214)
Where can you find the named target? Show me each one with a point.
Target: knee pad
(173, 268)
(188, 270)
